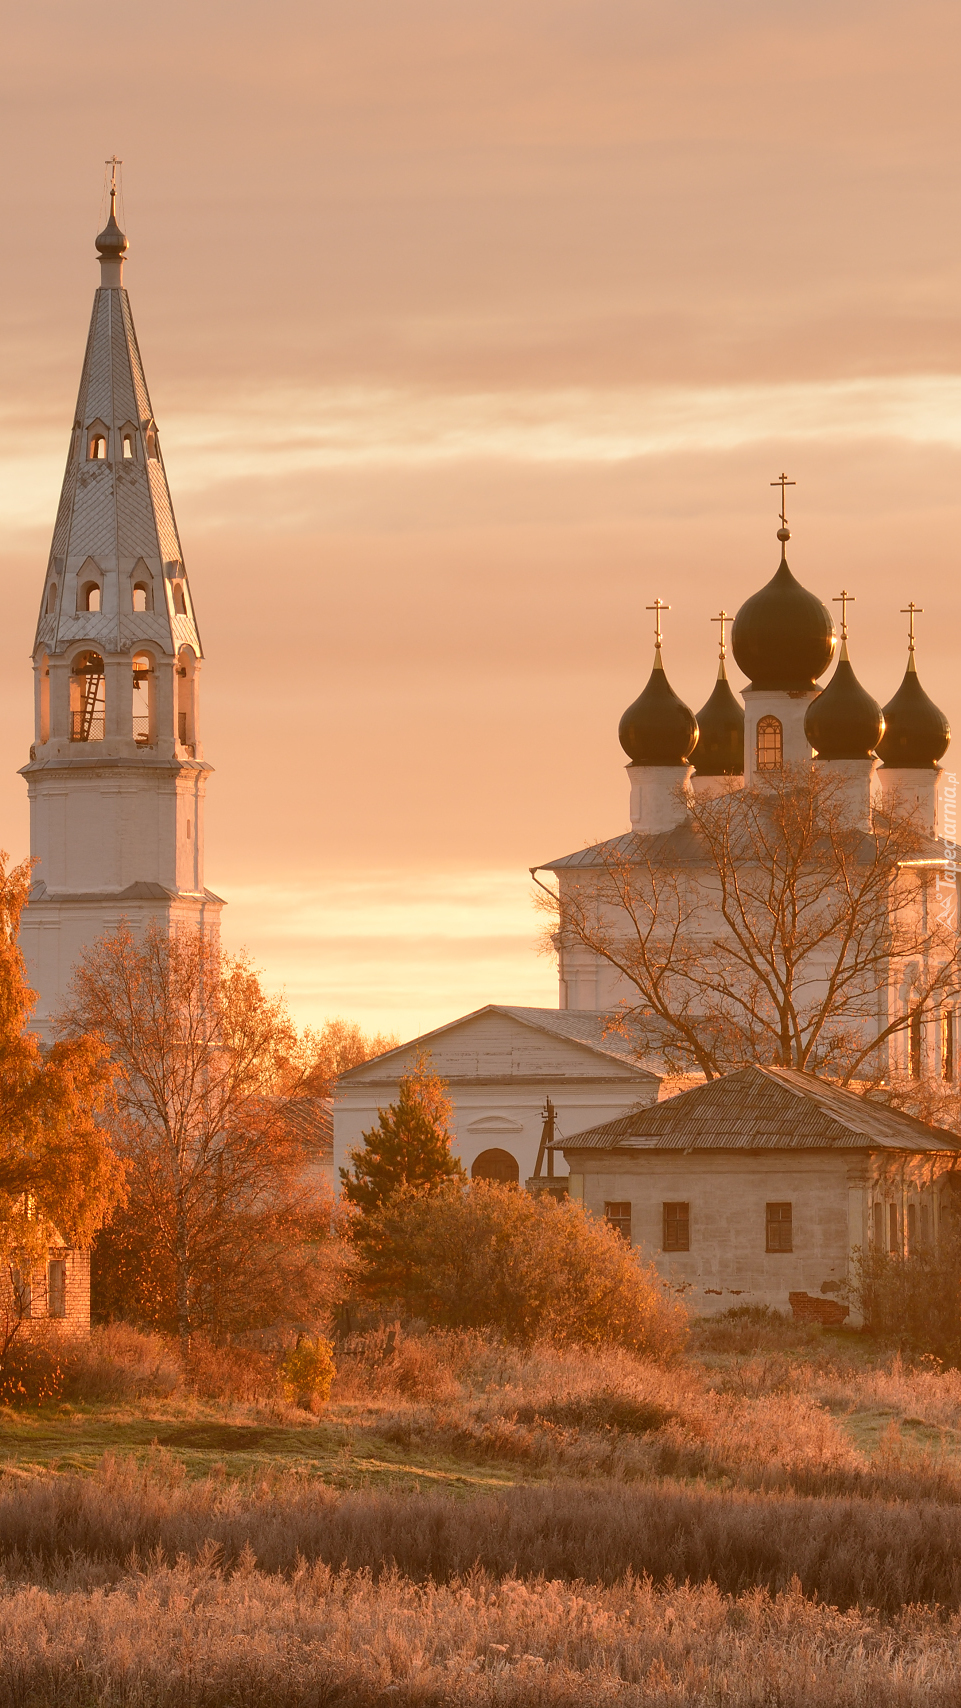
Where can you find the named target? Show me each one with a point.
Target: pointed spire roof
(115, 506)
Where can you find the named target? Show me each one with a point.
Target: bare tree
(226, 1209)
(767, 929)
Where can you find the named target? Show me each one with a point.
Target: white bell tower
(116, 775)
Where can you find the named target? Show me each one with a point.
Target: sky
(472, 326)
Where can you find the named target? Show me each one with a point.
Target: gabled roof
(682, 847)
(763, 1108)
(585, 1028)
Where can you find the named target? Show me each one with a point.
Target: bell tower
(116, 776)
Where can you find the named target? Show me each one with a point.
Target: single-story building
(765, 1184)
(501, 1065)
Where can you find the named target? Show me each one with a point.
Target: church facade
(116, 774)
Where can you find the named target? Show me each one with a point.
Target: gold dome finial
(784, 532)
(657, 607)
(911, 610)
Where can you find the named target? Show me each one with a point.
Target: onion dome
(916, 731)
(658, 729)
(112, 242)
(844, 722)
(720, 741)
(783, 637)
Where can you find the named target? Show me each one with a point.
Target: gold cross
(657, 607)
(113, 163)
(725, 617)
(844, 599)
(911, 610)
(783, 482)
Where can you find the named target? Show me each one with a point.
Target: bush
(916, 1300)
(525, 1265)
(307, 1373)
(232, 1374)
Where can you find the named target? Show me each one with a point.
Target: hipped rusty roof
(763, 1108)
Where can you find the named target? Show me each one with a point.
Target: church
(116, 775)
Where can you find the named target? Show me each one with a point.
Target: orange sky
(471, 326)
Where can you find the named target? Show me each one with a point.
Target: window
(914, 1035)
(947, 1043)
(780, 1233)
(770, 744)
(618, 1217)
(22, 1293)
(490, 1165)
(91, 596)
(44, 731)
(180, 603)
(878, 1223)
(57, 1288)
(925, 1224)
(676, 1227)
(141, 597)
(151, 443)
(143, 681)
(912, 1227)
(186, 686)
(98, 447)
(87, 698)
(129, 453)
(52, 596)
(894, 1243)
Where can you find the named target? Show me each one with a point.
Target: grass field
(775, 1518)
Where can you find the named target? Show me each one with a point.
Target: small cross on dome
(844, 599)
(723, 617)
(783, 482)
(657, 607)
(911, 610)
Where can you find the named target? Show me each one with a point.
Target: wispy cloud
(281, 433)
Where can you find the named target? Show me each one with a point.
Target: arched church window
(770, 744)
(186, 696)
(141, 596)
(143, 699)
(87, 698)
(496, 1165)
(52, 596)
(98, 447)
(129, 453)
(151, 443)
(90, 596)
(180, 603)
(44, 698)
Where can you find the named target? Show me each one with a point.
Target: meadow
(774, 1517)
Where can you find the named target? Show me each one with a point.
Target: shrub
(916, 1300)
(493, 1257)
(237, 1374)
(307, 1372)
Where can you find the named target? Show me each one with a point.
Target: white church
(754, 1187)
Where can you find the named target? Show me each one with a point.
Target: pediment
(494, 1124)
(498, 1043)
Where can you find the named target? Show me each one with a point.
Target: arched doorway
(495, 1165)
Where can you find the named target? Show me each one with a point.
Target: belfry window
(914, 1046)
(52, 596)
(186, 680)
(770, 744)
(90, 596)
(143, 683)
(180, 603)
(98, 447)
(129, 452)
(141, 597)
(87, 698)
(947, 1043)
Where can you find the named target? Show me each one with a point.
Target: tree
(337, 1047)
(409, 1147)
(59, 1176)
(528, 1265)
(226, 1217)
(768, 930)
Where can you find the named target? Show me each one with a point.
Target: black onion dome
(916, 731)
(112, 242)
(720, 740)
(783, 637)
(844, 722)
(658, 729)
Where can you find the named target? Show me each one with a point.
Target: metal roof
(587, 1027)
(763, 1108)
(683, 847)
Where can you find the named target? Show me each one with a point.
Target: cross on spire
(723, 617)
(113, 163)
(911, 610)
(657, 607)
(844, 599)
(783, 482)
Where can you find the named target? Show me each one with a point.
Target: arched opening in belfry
(143, 699)
(141, 594)
(87, 698)
(496, 1165)
(44, 698)
(97, 444)
(186, 696)
(90, 596)
(770, 744)
(180, 600)
(52, 596)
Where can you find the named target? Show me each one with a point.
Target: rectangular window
(780, 1228)
(619, 1217)
(915, 1037)
(677, 1227)
(878, 1224)
(912, 1227)
(57, 1288)
(947, 1043)
(894, 1243)
(22, 1293)
(925, 1224)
